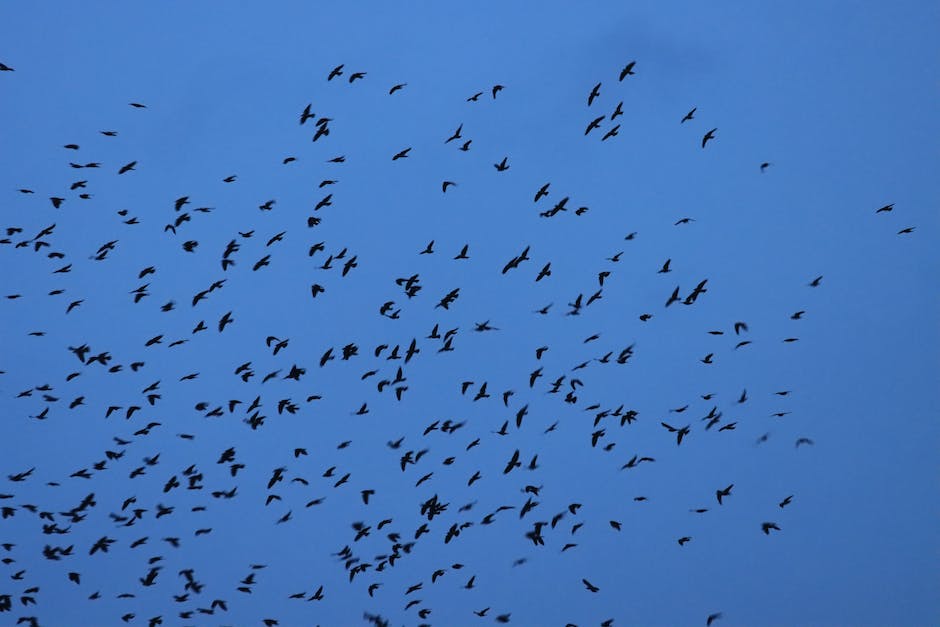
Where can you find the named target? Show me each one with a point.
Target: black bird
(722, 493)
(543, 191)
(595, 93)
(456, 135)
(512, 463)
(225, 320)
(680, 432)
(627, 70)
(618, 111)
(611, 133)
(767, 526)
(595, 123)
(544, 272)
(708, 136)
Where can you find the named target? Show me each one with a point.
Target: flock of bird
(95, 511)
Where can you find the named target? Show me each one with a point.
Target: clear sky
(834, 408)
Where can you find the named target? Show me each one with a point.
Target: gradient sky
(839, 98)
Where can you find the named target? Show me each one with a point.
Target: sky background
(840, 98)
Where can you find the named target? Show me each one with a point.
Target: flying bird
(708, 136)
(627, 70)
(595, 93)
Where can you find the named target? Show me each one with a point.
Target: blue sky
(838, 98)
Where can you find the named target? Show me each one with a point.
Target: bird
(689, 116)
(767, 526)
(225, 320)
(708, 136)
(544, 272)
(595, 93)
(680, 432)
(455, 135)
(543, 191)
(595, 123)
(611, 133)
(722, 493)
(627, 70)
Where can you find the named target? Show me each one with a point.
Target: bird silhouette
(627, 70)
(710, 135)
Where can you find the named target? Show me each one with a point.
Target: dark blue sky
(839, 99)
